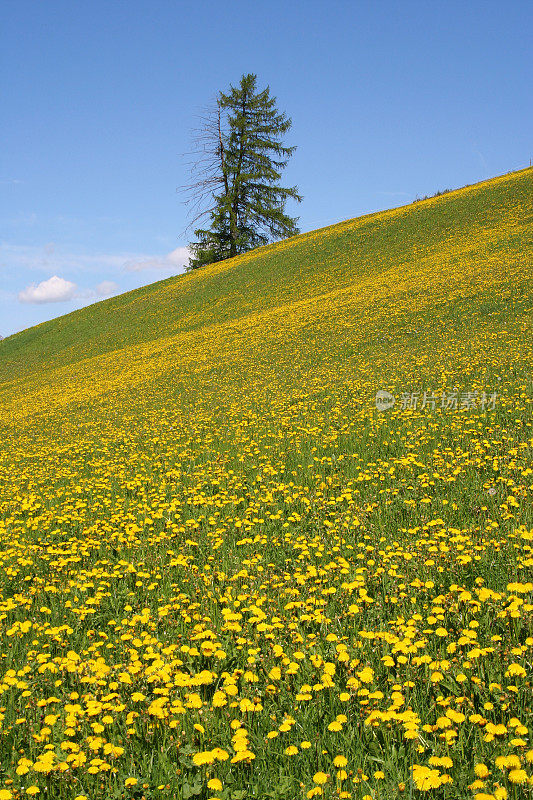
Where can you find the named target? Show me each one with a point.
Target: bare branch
(206, 163)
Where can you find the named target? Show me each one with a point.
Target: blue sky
(389, 101)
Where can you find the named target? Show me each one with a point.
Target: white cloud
(59, 290)
(106, 288)
(54, 290)
(175, 261)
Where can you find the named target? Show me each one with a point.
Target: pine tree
(242, 157)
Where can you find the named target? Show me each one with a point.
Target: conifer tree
(241, 160)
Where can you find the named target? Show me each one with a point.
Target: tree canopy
(241, 156)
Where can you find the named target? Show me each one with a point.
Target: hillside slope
(340, 256)
(225, 573)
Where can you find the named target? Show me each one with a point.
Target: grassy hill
(224, 573)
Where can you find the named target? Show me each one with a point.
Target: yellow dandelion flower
(219, 754)
(366, 675)
(513, 669)
(340, 761)
(518, 776)
(204, 757)
(425, 778)
(292, 750)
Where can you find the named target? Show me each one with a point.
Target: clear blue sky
(389, 100)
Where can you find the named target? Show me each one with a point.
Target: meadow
(224, 573)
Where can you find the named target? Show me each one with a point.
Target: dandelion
(340, 761)
(518, 776)
(366, 675)
(515, 670)
(425, 779)
(205, 757)
(292, 750)
(500, 793)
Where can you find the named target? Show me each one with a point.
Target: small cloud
(54, 290)
(106, 288)
(176, 260)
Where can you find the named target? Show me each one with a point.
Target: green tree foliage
(241, 158)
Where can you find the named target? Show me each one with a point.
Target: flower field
(224, 573)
